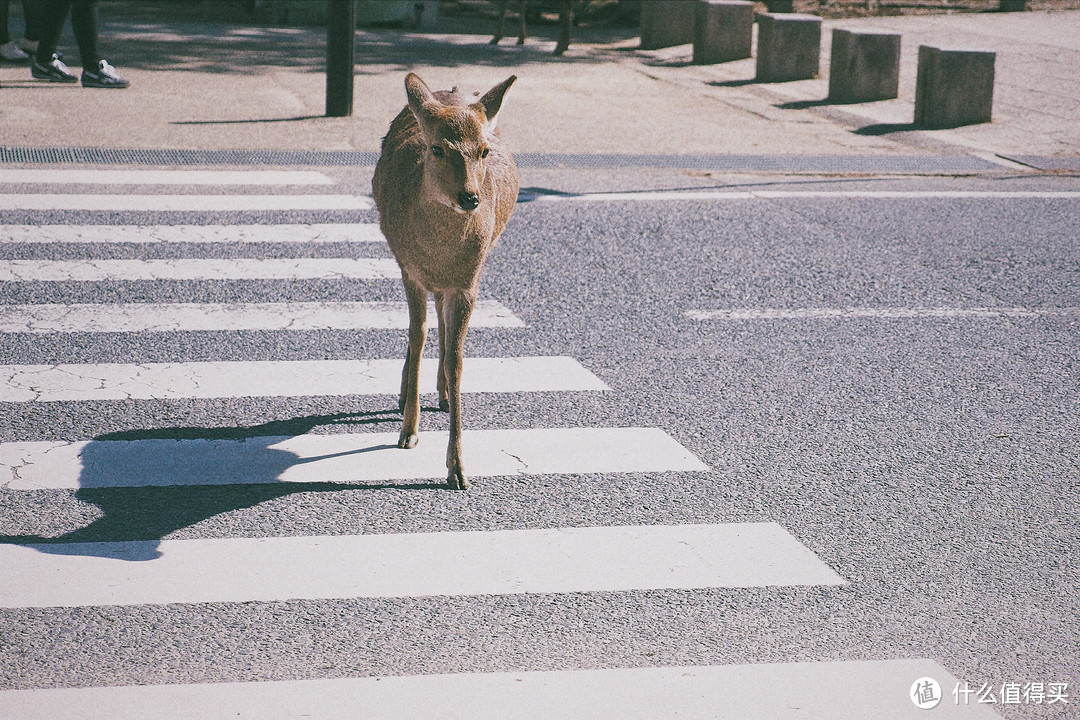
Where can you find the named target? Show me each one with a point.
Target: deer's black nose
(468, 200)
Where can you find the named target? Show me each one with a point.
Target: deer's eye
(485, 152)
(437, 151)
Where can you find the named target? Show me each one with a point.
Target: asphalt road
(897, 388)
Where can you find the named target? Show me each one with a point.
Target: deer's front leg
(409, 400)
(521, 21)
(455, 311)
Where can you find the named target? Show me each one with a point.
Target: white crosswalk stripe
(186, 269)
(225, 234)
(852, 690)
(344, 458)
(607, 555)
(181, 203)
(491, 562)
(172, 317)
(282, 378)
(165, 177)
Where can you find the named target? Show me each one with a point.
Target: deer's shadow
(209, 479)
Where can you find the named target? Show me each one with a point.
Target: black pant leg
(52, 16)
(84, 23)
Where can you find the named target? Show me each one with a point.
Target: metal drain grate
(153, 156)
(826, 164)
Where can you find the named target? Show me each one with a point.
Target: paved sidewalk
(214, 86)
(1036, 91)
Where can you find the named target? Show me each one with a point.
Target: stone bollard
(780, 6)
(789, 46)
(953, 87)
(723, 31)
(864, 66)
(665, 23)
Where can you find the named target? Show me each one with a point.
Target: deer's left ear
(492, 101)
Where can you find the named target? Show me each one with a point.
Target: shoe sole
(52, 78)
(105, 86)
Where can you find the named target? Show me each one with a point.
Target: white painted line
(498, 562)
(142, 234)
(344, 458)
(51, 383)
(166, 177)
(174, 317)
(655, 195)
(199, 269)
(999, 160)
(838, 690)
(884, 313)
(170, 203)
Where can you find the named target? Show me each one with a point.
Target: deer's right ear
(421, 100)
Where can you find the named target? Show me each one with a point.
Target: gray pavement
(213, 86)
(917, 435)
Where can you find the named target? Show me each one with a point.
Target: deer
(445, 186)
(566, 19)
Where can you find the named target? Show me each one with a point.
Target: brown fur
(439, 242)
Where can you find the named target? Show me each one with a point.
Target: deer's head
(458, 139)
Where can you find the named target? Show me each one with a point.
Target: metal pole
(340, 34)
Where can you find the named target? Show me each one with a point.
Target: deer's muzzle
(468, 201)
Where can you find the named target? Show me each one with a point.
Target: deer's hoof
(444, 404)
(457, 480)
(407, 440)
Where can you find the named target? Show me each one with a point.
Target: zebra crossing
(52, 572)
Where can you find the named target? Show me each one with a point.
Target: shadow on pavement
(235, 42)
(138, 517)
(885, 129)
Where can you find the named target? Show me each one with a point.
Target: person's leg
(9, 49)
(97, 73)
(85, 26)
(4, 37)
(53, 14)
(47, 65)
(32, 19)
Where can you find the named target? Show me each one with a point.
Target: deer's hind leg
(409, 400)
(444, 397)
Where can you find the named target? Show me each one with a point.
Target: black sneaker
(105, 77)
(53, 71)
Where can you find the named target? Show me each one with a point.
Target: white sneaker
(105, 77)
(11, 52)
